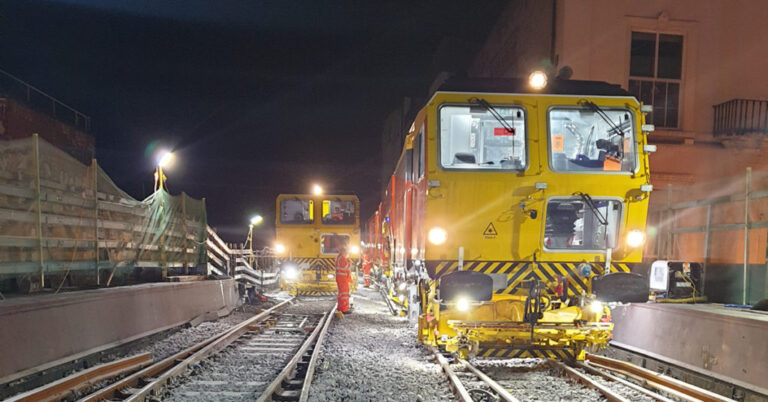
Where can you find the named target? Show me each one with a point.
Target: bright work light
(537, 80)
(290, 272)
(437, 236)
(165, 159)
(635, 238)
(462, 304)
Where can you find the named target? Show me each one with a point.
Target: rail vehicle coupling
(468, 317)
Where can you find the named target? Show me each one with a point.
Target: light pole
(163, 161)
(254, 221)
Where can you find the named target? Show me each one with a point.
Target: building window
(655, 72)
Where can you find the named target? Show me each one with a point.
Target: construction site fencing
(63, 223)
(722, 224)
(256, 268)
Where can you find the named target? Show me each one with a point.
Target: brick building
(701, 64)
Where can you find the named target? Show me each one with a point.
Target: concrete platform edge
(81, 355)
(718, 376)
(54, 329)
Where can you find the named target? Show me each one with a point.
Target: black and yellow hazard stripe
(321, 264)
(504, 353)
(314, 293)
(520, 272)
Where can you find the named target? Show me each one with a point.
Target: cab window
(581, 224)
(332, 243)
(296, 212)
(338, 212)
(582, 139)
(471, 137)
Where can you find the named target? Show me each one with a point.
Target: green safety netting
(63, 223)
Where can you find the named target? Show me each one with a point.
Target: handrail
(29, 90)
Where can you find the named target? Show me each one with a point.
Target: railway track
(270, 356)
(596, 378)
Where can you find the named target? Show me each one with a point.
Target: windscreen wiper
(614, 128)
(589, 202)
(495, 113)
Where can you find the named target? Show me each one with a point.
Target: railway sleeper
(286, 395)
(125, 393)
(143, 381)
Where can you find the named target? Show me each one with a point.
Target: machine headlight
(354, 249)
(635, 238)
(329, 276)
(537, 80)
(596, 307)
(462, 304)
(437, 236)
(279, 248)
(290, 272)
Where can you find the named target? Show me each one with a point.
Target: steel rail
(496, 387)
(653, 378)
(276, 386)
(458, 388)
(611, 377)
(170, 367)
(64, 387)
(576, 375)
(133, 381)
(386, 298)
(315, 357)
(648, 383)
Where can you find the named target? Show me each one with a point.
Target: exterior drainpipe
(554, 31)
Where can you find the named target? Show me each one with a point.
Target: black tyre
(621, 287)
(762, 305)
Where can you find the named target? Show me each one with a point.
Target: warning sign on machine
(490, 231)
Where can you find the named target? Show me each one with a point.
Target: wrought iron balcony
(741, 117)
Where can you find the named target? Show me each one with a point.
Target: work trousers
(342, 283)
(367, 275)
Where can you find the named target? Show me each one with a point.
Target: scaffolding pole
(745, 290)
(38, 196)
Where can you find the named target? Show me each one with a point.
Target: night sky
(256, 98)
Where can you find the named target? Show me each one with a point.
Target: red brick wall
(18, 121)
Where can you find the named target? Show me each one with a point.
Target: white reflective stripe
(342, 274)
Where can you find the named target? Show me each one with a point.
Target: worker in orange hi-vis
(367, 265)
(343, 275)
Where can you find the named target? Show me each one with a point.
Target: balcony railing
(39, 100)
(740, 117)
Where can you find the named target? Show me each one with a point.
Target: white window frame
(619, 225)
(635, 136)
(475, 170)
(655, 77)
